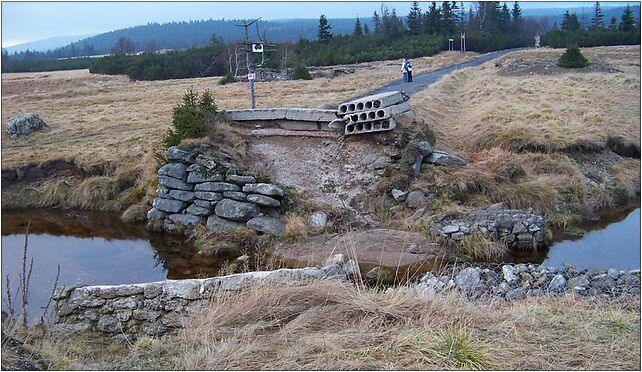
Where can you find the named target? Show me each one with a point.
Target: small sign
(257, 48)
(251, 76)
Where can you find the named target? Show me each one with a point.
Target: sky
(29, 21)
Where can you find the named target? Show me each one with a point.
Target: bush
(572, 58)
(301, 73)
(228, 78)
(190, 117)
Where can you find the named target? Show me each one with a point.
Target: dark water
(96, 248)
(92, 248)
(611, 242)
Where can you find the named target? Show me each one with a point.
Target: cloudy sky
(28, 21)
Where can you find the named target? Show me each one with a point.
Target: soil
(376, 247)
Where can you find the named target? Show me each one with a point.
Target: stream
(97, 248)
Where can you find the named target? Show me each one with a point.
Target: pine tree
(358, 31)
(504, 19)
(433, 16)
(447, 23)
(598, 17)
(324, 28)
(366, 29)
(414, 19)
(628, 22)
(377, 22)
(613, 23)
(570, 22)
(517, 17)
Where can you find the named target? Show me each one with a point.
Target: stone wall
(196, 189)
(156, 308)
(514, 282)
(518, 228)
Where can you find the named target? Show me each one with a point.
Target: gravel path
(423, 80)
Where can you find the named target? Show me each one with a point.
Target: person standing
(409, 70)
(404, 70)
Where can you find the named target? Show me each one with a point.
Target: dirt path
(423, 80)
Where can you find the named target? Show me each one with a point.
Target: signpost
(463, 42)
(451, 45)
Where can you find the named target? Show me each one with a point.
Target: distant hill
(45, 44)
(555, 15)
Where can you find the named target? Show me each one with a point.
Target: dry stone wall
(518, 228)
(196, 190)
(156, 308)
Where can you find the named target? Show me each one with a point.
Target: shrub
(572, 58)
(301, 73)
(228, 78)
(190, 116)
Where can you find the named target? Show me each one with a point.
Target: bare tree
(123, 46)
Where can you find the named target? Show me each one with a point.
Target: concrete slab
(306, 114)
(258, 114)
(370, 127)
(378, 114)
(375, 101)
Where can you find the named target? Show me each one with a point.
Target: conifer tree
(358, 30)
(598, 17)
(414, 19)
(433, 16)
(376, 19)
(628, 22)
(324, 28)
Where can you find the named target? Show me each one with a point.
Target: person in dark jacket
(409, 70)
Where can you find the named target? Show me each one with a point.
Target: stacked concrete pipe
(373, 113)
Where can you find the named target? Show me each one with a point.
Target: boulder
(509, 274)
(174, 183)
(199, 210)
(468, 278)
(445, 159)
(205, 161)
(216, 187)
(156, 215)
(266, 225)
(242, 180)
(425, 148)
(163, 192)
(186, 219)
(236, 211)
(416, 199)
(236, 195)
(176, 170)
(208, 195)
(399, 195)
(199, 176)
(557, 283)
(215, 223)
(186, 196)
(24, 125)
(204, 203)
(263, 189)
(263, 200)
(168, 205)
(176, 154)
(318, 220)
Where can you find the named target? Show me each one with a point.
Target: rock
(199, 210)
(557, 283)
(318, 220)
(414, 249)
(156, 215)
(495, 207)
(186, 219)
(263, 200)
(445, 159)
(516, 294)
(152, 290)
(578, 281)
(468, 278)
(450, 229)
(613, 274)
(417, 215)
(458, 236)
(425, 148)
(168, 205)
(205, 161)
(208, 195)
(351, 268)
(175, 183)
(186, 196)
(263, 189)
(204, 204)
(188, 289)
(236, 210)
(368, 159)
(215, 223)
(399, 195)
(416, 199)
(71, 328)
(216, 187)
(242, 180)
(174, 153)
(204, 176)
(146, 315)
(396, 208)
(236, 195)
(154, 329)
(243, 258)
(266, 225)
(109, 324)
(163, 192)
(337, 259)
(176, 170)
(519, 228)
(416, 167)
(24, 125)
(509, 274)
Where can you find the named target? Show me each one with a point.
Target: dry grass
(325, 325)
(296, 227)
(93, 118)
(519, 133)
